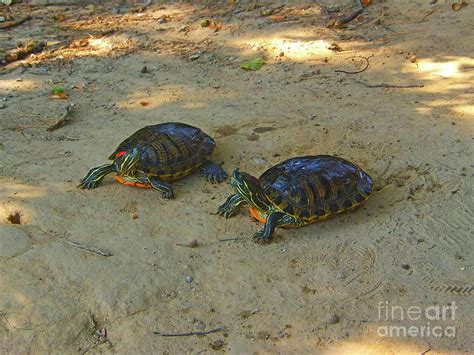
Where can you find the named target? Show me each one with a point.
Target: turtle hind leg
(95, 176)
(213, 172)
(165, 188)
(275, 219)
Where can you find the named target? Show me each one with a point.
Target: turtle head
(126, 162)
(249, 188)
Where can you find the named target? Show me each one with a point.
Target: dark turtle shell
(315, 187)
(168, 150)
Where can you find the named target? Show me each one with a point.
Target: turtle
(298, 191)
(155, 155)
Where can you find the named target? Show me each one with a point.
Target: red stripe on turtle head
(119, 154)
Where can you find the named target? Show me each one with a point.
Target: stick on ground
(190, 333)
(14, 23)
(358, 71)
(385, 85)
(88, 248)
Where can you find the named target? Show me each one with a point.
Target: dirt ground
(316, 289)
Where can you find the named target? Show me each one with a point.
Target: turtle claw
(213, 172)
(224, 213)
(260, 237)
(168, 195)
(95, 176)
(84, 184)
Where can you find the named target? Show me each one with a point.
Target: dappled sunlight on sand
(18, 86)
(13, 197)
(190, 97)
(374, 347)
(293, 44)
(21, 191)
(450, 67)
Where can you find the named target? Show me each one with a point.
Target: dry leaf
(335, 47)
(60, 96)
(277, 18)
(458, 5)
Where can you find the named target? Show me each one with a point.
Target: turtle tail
(95, 176)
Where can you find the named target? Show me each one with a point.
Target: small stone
(183, 28)
(405, 267)
(217, 344)
(282, 54)
(193, 243)
(333, 319)
(162, 20)
(189, 279)
(413, 59)
(282, 334)
(255, 310)
(2, 104)
(194, 57)
(144, 70)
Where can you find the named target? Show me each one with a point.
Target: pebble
(405, 266)
(189, 279)
(194, 57)
(2, 104)
(193, 243)
(333, 319)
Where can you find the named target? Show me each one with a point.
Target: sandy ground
(312, 290)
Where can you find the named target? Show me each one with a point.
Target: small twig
(229, 239)
(358, 71)
(190, 333)
(348, 18)
(14, 23)
(64, 119)
(428, 14)
(385, 85)
(88, 248)
(429, 349)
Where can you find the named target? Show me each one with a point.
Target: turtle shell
(315, 187)
(168, 150)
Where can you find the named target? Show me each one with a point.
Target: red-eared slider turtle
(155, 155)
(298, 191)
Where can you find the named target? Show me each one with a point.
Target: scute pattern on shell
(169, 150)
(315, 187)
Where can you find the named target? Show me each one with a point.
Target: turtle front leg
(95, 176)
(165, 188)
(275, 219)
(231, 206)
(213, 172)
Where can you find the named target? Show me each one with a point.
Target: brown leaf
(335, 47)
(458, 5)
(61, 96)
